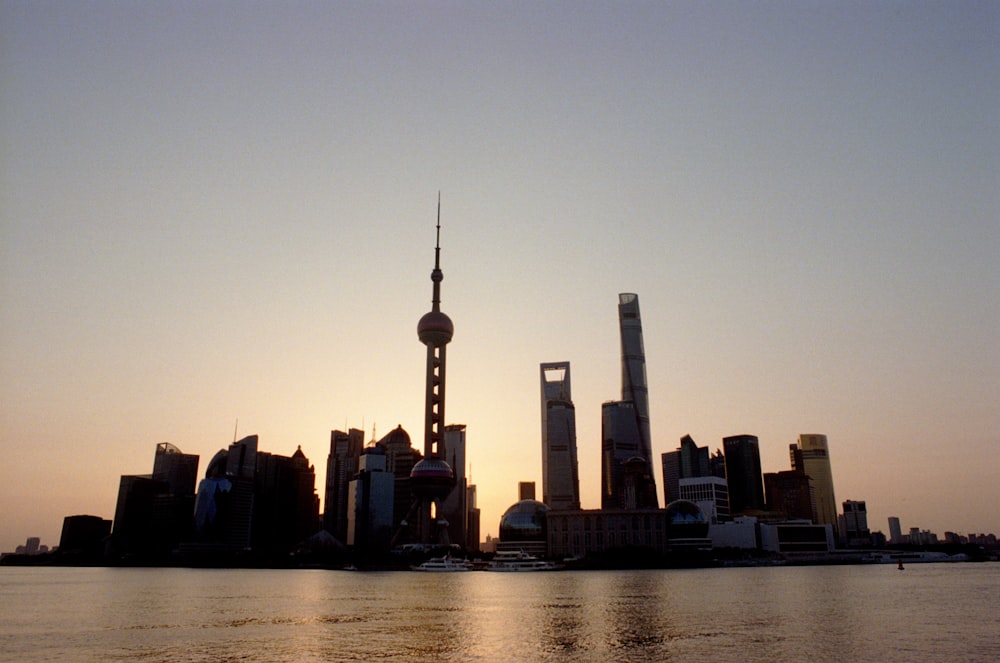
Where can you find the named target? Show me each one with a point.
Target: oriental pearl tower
(432, 478)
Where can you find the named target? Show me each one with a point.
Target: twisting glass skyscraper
(560, 477)
(625, 424)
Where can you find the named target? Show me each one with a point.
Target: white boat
(443, 565)
(518, 560)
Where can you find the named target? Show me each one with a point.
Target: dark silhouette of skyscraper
(789, 493)
(625, 433)
(341, 466)
(687, 462)
(560, 473)
(432, 479)
(743, 474)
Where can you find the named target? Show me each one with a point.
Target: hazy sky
(225, 210)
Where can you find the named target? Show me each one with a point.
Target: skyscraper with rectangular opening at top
(560, 473)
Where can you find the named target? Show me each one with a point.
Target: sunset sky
(222, 211)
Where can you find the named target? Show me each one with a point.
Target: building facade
(743, 474)
(811, 455)
(560, 472)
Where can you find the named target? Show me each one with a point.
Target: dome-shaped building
(523, 527)
(687, 526)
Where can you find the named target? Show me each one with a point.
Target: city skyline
(215, 213)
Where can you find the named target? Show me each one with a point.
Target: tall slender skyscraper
(625, 434)
(432, 478)
(811, 455)
(560, 474)
(743, 476)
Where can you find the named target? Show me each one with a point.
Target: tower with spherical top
(432, 478)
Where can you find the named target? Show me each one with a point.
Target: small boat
(900, 566)
(443, 565)
(518, 560)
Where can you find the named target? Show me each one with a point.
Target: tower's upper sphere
(435, 328)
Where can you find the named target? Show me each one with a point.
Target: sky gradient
(221, 211)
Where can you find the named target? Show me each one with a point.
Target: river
(929, 612)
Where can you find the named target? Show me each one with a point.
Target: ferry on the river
(443, 565)
(518, 560)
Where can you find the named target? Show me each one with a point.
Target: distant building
(688, 461)
(790, 495)
(626, 478)
(679, 527)
(811, 455)
(711, 494)
(285, 506)
(855, 525)
(560, 473)
(895, 531)
(472, 527)
(153, 513)
(743, 474)
(370, 505)
(625, 430)
(797, 538)
(400, 457)
(525, 490)
(454, 507)
(341, 466)
(83, 537)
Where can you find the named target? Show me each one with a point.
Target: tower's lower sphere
(432, 478)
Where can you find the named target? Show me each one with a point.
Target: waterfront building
(525, 490)
(740, 532)
(625, 424)
(524, 526)
(790, 495)
(895, 531)
(679, 527)
(560, 473)
(743, 473)
(811, 455)
(454, 507)
(153, 512)
(341, 466)
(855, 526)
(689, 460)
(285, 504)
(370, 505)
(432, 478)
(472, 526)
(623, 484)
(400, 457)
(223, 511)
(178, 469)
(83, 537)
(711, 494)
(797, 538)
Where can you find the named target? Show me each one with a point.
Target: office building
(689, 460)
(895, 531)
(855, 524)
(370, 505)
(526, 490)
(711, 494)
(285, 504)
(811, 454)
(560, 474)
(341, 466)
(626, 481)
(743, 474)
(454, 507)
(790, 495)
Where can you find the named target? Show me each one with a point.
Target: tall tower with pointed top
(432, 478)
